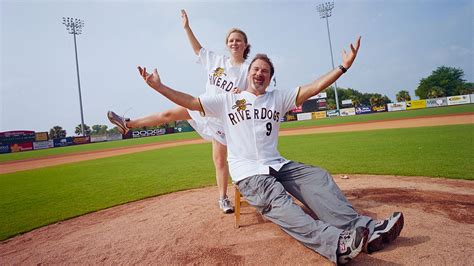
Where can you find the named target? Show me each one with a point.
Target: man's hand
(236, 90)
(315, 87)
(153, 80)
(348, 59)
(184, 16)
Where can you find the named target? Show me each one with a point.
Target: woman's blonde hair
(247, 50)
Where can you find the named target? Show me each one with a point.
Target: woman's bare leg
(170, 115)
(219, 156)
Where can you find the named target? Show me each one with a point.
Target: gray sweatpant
(316, 189)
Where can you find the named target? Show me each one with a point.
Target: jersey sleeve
(213, 105)
(206, 58)
(289, 98)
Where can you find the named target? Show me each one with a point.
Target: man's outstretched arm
(329, 78)
(180, 98)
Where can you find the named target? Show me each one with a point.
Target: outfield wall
(391, 107)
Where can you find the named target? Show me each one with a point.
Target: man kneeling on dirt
(252, 120)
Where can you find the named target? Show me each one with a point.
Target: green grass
(95, 146)
(190, 135)
(35, 198)
(469, 108)
(442, 151)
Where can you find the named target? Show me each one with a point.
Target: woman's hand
(184, 16)
(236, 90)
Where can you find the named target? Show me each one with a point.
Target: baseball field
(153, 200)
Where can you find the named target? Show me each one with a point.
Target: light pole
(74, 27)
(325, 11)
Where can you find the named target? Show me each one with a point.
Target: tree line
(443, 82)
(58, 132)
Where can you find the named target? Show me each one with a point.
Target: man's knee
(166, 115)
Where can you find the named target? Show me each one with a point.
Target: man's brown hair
(265, 58)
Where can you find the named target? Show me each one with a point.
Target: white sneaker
(351, 243)
(225, 205)
(386, 231)
(119, 121)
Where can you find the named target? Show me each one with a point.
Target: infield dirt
(187, 228)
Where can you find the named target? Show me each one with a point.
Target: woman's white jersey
(222, 77)
(251, 124)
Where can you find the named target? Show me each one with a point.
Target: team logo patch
(219, 72)
(241, 105)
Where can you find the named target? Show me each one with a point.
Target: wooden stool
(239, 202)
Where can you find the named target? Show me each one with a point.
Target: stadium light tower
(74, 27)
(325, 11)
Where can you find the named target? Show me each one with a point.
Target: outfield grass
(35, 198)
(441, 151)
(190, 135)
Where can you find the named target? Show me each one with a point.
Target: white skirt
(208, 127)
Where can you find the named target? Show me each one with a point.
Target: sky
(403, 41)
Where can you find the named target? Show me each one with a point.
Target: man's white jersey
(222, 76)
(251, 124)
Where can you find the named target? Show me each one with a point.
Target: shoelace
(345, 235)
(123, 116)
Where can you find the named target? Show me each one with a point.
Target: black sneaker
(385, 232)
(351, 243)
(120, 122)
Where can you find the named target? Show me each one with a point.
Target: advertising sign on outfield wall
(331, 113)
(81, 140)
(378, 109)
(303, 116)
(149, 132)
(289, 117)
(318, 115)
(472, 98)
(400, 106)
(38, 145)
(459, 99)
(4, 148)
(320, 95)
(114, 137)
(25, 146)
(347, 103)
(11, 137)
(41, 136)
(363, 110)
(416, 104)
(348, 111)
(62, 142)
(98, 138)
(298, 109)
(322, 104)
(436, 102)
(310, 106)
